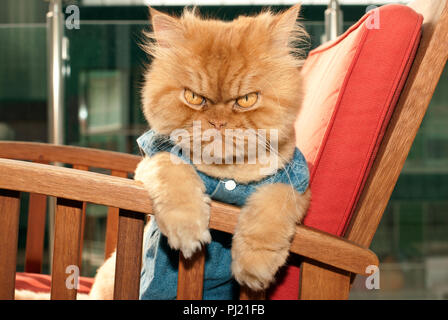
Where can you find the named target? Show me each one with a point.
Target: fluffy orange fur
(222, 61)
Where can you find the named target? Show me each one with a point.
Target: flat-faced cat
(208, 75)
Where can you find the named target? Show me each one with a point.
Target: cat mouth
(212, 146)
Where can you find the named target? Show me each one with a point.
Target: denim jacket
(160, 262)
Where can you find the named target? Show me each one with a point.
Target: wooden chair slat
(35, 232)
(9, 229)
(129, 255)
(248, 294)
(83, 214)
(190, 279)
(111, 231)
(322, 282)
(112, 222)
(67, 239)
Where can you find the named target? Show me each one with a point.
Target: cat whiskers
(277, 154)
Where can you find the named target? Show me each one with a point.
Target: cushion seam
(343, 37)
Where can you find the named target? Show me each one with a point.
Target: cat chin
(248, 172)
(241, 173)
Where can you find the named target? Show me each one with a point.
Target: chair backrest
(118, 164)
(405, 121)
(419, 88)
(364, 94)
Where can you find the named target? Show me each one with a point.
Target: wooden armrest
(45, 153)
(130, 195)
(308, 242)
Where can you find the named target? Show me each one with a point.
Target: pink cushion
(42, 282)
(351, 88)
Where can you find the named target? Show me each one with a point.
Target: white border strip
(231, 2)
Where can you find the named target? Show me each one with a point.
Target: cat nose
(217, 124)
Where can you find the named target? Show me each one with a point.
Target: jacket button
(230, 185)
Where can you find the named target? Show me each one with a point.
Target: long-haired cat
(216, 75)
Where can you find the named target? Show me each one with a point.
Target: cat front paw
(253, 265)
(187, 236)
(186, 228)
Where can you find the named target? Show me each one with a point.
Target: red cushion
(42, 282)
(351, 88)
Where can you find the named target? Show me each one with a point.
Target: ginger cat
(243, 74)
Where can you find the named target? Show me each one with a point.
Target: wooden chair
(73, 188)
(118, 164)
(329, 261)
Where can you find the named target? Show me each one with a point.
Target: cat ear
(166, 28)
(285, 26)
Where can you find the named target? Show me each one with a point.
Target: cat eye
(247, 101)
(193, 98)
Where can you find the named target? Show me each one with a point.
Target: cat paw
(186, 229)
(187, 236)
(255, 266)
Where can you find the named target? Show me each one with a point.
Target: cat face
(224, 75)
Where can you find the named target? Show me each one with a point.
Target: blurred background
(101, 75)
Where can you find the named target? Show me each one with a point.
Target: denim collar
(294, 173)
